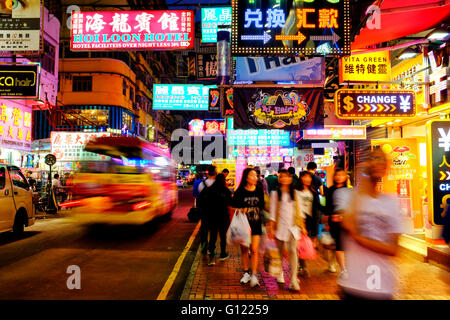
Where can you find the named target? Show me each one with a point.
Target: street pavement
(116, 262)
(415, 279)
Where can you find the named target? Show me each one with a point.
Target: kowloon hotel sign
(152, 29)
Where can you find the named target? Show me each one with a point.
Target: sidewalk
(416, 280)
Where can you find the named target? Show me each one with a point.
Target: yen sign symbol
(405, 104)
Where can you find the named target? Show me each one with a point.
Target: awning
(400, 18)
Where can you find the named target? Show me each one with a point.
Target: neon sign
(151, 29)
(211, 19)
(261, 137)
(336, 133)
(15, 126)
(198, 127)
(260, 27)
(181, 97)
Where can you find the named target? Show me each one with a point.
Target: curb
(192, 273)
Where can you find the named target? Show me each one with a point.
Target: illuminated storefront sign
(438, 168)
(19, 81)
(409, 71)
(286, 108)
(206, 66)
(374, 66)
(336, 133)
(69, 146)
(212, 18)
(375, 104)
(281, 27)
(20, 25)
(280, 69)
(257, 137)
(214, 100)
(439, 80)
(198, 127)
(138, 30)
(181, 96)
(15, 126)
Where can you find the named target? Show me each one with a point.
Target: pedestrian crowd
(284, 211)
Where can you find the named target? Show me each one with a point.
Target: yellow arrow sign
(299, 37)
(443, 175)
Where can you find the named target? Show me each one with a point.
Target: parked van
(16, 200)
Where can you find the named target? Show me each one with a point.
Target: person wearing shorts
(249, 200)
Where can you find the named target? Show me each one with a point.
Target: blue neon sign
(261, 137)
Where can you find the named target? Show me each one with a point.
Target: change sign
(266, 27)
(439, 168)
(375, 104)
(19, 81)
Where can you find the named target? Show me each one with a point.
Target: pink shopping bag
(306, 249)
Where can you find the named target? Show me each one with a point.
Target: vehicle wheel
(19, 224)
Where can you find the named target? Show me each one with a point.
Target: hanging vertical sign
(214, 100)
(438, 168)
(226, 101)
(265, 27)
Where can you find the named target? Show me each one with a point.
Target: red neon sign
(133, 30)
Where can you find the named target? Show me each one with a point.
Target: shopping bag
(272, 259)
(239, 231)
(306, 249)
(327, 241)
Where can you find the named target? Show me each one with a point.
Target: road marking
(168, 285)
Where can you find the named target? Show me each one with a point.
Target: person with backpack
(287, 223)
(217, 199)
(211, 177)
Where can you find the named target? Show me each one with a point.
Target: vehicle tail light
(141, 205)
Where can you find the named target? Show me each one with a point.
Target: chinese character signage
(206, 66)
(374, 66)
(310, 71)
(198, 127)
(19, 81)
(438, 168)
(262, 137)
(375, 104)
(69, 146)
(15, 126)
(287, 108)
(336, 133)
(267, 27)
(128, 30)
(212, 18)
(214, 100)
(181, 97)
(20, 25)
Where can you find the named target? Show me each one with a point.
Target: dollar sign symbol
(348, 103)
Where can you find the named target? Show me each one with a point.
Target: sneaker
(332, 268)
(294, 285)
(343, 275)
(254, 281)
(246, 278)
(212, 260)
(224, 256)
(280, 278)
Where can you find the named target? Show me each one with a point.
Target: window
(131, 94)
(124, 90)
(127, 120)
(82, 83)
(48, 59)
(83, 117)
(18, 179)
(2, 178)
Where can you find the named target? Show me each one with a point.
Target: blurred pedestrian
(250, 200)
(291, 170)
(261, 181)
(31, 181)
(317, 184)
(372, 224)
(195, 192)
(225, 172)
(218, 200)
(287, 224)
(335, 217)
(309, 203)
(211, 177)
(272, 182)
